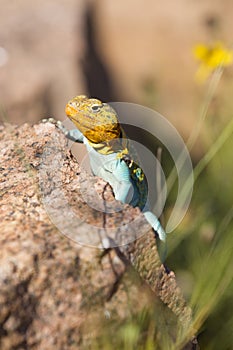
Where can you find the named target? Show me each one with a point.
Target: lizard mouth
(70, 111)
(83, 127)
(73, 114)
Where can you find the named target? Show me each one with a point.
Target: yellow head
(96, 120)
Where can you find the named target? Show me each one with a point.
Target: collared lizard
(111, 155)
(110, 158)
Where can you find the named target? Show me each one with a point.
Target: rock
(55, 293)
(46, 281)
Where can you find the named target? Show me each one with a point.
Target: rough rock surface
(55, 293)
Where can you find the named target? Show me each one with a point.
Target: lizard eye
(96, 108)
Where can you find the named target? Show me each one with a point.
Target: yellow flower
(211, 57)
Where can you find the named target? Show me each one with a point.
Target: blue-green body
(126, 178)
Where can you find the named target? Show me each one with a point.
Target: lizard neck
(117, 145)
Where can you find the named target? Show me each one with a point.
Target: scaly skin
(110, 153)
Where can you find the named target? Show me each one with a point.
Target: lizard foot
(57, 123)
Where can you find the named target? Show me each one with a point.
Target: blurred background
(133, 51)
(142, 52)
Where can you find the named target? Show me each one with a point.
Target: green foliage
(205, 251)
(201, 249)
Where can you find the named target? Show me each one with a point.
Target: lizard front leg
(73, 134)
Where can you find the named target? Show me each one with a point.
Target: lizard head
(96, 120)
